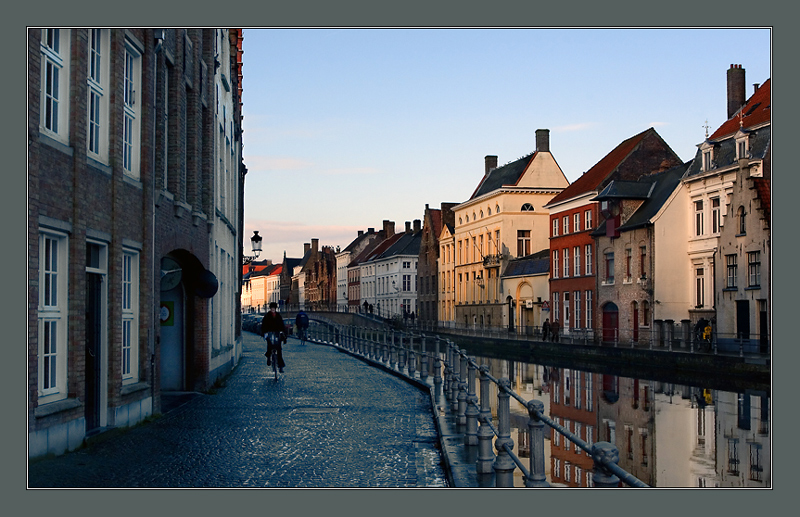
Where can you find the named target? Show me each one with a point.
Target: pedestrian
(555, 328)
(301, 321)
(545, 329)
(272, 326)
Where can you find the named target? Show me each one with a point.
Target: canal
(669, 434)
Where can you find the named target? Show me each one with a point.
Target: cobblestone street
(330, 421)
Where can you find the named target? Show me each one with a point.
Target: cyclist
(302, 325)
(272, 323)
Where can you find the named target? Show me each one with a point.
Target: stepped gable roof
(535, 264)
(762, 186)
(436, 222)
(755, 112)
(594, 177)
(507, 175)
(267, 271)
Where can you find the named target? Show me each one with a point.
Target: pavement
(332, 420)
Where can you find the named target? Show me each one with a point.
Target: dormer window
(742, 145)
(707, 151)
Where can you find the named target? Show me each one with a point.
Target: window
(716, 215)
(566, 310)
(645, 313)
(733, 456)
(628, 257)
(555, 226)
(52, 367)
(555, 264)
(743, 411)
(588, 309)
(556, 466)
(611, 431)
(577, 295)
(567, 469)
(629, 441)
(576, 252)
(460, 248)
(576, 222)
(406, 265)
(406, 283)
(643, 261)
(576, 387)
(54, 109)
(741, 149)
(756, 468)
(698, 217)
(707, 160)
(567, 443)
(566, 224)
(587, 220)
(527, 207)
(699, 287)
(97, 140)
(754, 269)
(566, 262)
(609, 268)
(556, 304)
(132, 111)
(730, 263)
(130, 317)
(742, 224)
(588, 259)
(643, 442)
(589, 404)
(523, 243)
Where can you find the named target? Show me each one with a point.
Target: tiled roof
(594, 177)
(756, 111)
(660, 187)
(535, 264)
(508, 174)
(408, 244)
(763, 192)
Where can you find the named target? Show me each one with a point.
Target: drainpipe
(159, 37)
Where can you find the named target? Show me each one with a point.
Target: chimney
(306, 247)
(388, 228)
(755, 87)
(491, 163)
(542, 140)
(735, 89)
(315, 245)
(417, 225)
(360, 233)
(370, 230)
(408, 226)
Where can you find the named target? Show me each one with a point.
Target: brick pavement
(330, 421)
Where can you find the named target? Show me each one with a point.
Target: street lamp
(255, 241)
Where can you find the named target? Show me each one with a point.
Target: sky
(346, 128)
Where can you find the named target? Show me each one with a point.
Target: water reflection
(668, 435)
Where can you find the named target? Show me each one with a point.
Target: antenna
(706, 126)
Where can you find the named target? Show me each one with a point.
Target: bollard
(401, 354)
(471, 413)
(503, 464)
(462, 390)
(485, 433)
(603, 452)
(424, 360)
(537, 478)
(437, 371)
(454, 380)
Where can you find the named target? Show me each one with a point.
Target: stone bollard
(503, 464)
(425, 360)
(462, 390)
(401, 353)
(537, 478)
(454, 380)
(471, 413)
(437, 371)
(412, 359)
(485, 433)
(603, 452)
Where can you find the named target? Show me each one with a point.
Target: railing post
(603, 452)
(401, 353)
(462, 390)
(503, 464)
(485, 433)
(425, 361)
(437, 371)
(471, 413)
(393, 353)
(454, 379)
(537, 478)
(412, 358)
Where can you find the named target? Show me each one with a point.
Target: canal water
(668, 435)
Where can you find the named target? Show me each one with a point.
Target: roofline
(508, 189)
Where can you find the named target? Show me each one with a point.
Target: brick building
(428, 270)
(122, 186)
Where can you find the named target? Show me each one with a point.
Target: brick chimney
(360, 233)
(306, 247)
(388, 228)
(542, 140)
(315, 245)
(491, 163)
(408, 226)
(736, 94)
(417, 225)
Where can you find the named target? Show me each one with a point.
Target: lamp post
(255, 241)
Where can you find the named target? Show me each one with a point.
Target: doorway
(610, 322)
(173, 348)
(93, 354)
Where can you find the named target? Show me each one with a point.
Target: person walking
(555, 328)
(274, 331)
(545, 329)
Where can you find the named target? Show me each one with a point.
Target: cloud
(580, 126)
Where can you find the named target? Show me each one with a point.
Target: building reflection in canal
(667, 435)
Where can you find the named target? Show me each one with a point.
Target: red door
(610, 322)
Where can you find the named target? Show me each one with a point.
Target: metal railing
(453, 381)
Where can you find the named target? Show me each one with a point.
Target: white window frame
(566, 262)
(577, 258)
(716, 215)
(555, 226)
(566, 224)
(566, 310)
(699, 288)
(132, 109)
(753, 269)
(588, 309)
(98, 94)
(53, 316)
(577, 295)
(555, 264)
(699, 222)
(588, 266)
(576, 222)
(130, 317)
(587, 220)
(556, 304)
(54, 94)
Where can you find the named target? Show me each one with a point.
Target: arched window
(489, 211)
(742, 226)
(481, 214)
(527, 207)
(497, 209)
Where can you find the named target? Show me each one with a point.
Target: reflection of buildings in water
(685, 443)
(743, 434)
(625, 419)
(573, 403)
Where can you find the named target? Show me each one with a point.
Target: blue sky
(344, 128)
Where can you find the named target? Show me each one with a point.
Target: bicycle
(302, 334)
(272, 338)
